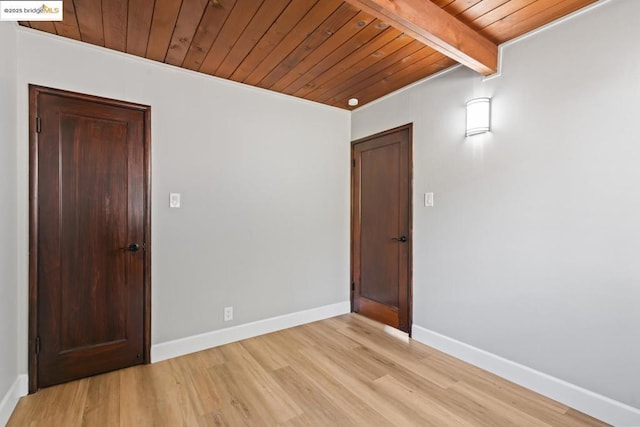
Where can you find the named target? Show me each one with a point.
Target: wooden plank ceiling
(326, 51)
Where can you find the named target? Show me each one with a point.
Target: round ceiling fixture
(353, 102)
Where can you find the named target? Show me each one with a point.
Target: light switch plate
(174, 200)
(428, 199)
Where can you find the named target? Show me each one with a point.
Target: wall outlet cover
(228, 314)
(428, 199)
(174, 200)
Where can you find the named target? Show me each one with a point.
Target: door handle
(401, 239)
(134, 247)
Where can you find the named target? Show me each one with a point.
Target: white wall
(532, 249)
(264, 223)
(8, 236)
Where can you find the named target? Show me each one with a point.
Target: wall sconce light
(478, 116)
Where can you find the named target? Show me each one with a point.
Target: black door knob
(401, 239)
(134, 247)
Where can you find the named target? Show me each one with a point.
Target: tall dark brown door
(381, 227)
(89, 234)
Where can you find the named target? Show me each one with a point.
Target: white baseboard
(588, 402)
(19, 388)
(207, 340)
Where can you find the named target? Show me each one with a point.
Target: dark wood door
(89, 229)
(381, 227)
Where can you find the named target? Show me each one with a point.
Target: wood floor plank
(252, 385)
(413, 364)
(581, 419)
(429, 409)
(496, 406)
(527, 400)
(103, 403)
(344, 371)
(359, 381)
(343, 398)
(266, 352)
(304, 394)
(136, 406)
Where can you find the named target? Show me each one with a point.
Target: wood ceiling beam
(428, 23)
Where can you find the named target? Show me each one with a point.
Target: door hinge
(353, 286)
(37, 345)
(38, 125)
(353, 163)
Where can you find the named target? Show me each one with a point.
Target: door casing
(34, 92)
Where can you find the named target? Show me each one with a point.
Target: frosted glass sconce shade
(478, 116)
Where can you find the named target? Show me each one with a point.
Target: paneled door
(89, 236)
(381, 227)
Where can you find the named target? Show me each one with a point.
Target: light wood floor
(337, 372)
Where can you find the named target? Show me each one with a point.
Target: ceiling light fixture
(478, 116)
(353, 102)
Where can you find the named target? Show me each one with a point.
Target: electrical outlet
(228, 314)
